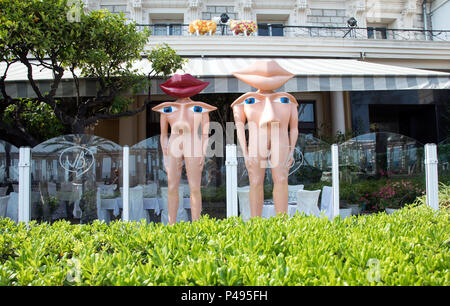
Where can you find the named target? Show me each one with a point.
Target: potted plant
(350, 198)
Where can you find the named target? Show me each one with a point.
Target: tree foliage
(60, 36)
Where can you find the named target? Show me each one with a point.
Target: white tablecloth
(149, 203)
(269, 209)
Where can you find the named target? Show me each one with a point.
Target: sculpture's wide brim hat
(183, 86)
(264, 75)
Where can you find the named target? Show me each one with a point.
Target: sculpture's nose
(181, 126)
(268, 116)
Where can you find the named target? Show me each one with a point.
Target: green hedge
(410, 247)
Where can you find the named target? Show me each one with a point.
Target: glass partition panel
(380, 172)
(76, 178)
(443, 151)
(149, 183)
(309, 170)
(9, 181)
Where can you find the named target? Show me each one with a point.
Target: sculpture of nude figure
(184, 117)
(272, 131)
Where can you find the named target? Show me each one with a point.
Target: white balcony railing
(313, 31)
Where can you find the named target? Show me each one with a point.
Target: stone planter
(345, 212)
(356, 209)
(390, 210)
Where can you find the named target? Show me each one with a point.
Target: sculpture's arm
(164, 125)
(205, 132)
(240, 119)
(293, 127)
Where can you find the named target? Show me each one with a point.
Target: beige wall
(125, 130)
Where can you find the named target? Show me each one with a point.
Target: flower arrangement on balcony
(245, 27)
(202, 27)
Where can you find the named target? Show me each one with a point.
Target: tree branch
(118, 115)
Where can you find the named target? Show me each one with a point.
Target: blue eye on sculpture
(284, 100)
(167, 109)
(197, 109)
(250, 101)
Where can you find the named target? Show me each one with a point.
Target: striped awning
(310, 75)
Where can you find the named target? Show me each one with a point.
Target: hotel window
(378, 32)
(165, 29)
(166, 24)
(271, 24)
(270, 29)
(307, 117)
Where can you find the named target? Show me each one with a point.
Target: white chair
(136, 199)
(307, 202)
(3, 206)
(181, 213)
(107, 190)
(326, 201)
(3, 191)
(137, 211)
(150, 190)
(12, 211)
(2, 173)
(244, 202)
(78, 190)
(102, 213)
(292, 189)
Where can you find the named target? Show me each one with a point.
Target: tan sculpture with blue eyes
(272, 131)
(185, 117)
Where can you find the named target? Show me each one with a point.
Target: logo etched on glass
(76, 159)
(294, 160)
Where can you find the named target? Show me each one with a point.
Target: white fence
(231, 165)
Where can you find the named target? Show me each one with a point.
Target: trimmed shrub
(409, 247)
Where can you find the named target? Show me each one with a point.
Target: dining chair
(137, 211)
(307, 202)
(182, 214)
(292, 189)
(244, 202)
(3, 206)
(326, 201)
(3, 191)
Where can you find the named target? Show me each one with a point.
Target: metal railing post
(126, 184)
(231, 171)
(431, 175)
(335, 180)
(24, 184)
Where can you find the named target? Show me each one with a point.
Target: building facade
(396, 32)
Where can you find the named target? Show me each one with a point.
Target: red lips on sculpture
(183, 86)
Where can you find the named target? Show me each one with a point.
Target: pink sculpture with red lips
(272, 131)
(185, 117)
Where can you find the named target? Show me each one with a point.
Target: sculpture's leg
(280, 172)
(194, 169)
(256, 177)
(173, 177)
